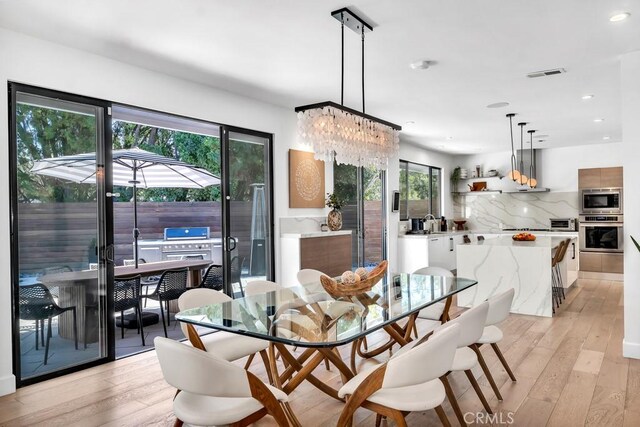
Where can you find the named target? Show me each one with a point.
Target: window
(420, 190)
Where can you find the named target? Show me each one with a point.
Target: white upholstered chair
(468, 355)
(309, 275)
(434, 311)
(225, 345)
(499, 308)
(407, 382)
(213, 391)
(256, 287)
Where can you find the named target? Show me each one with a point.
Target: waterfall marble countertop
(501, 263)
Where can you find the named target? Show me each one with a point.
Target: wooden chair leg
(267, 367)
(178, 423)
(249, 360)
(486, 371)
(378, 420)
(443, 417)
(452, 400)
(398, 417)
(496, 349)
(478, 390)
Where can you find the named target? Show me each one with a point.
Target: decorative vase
(334, 220)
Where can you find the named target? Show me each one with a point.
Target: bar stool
(556, 277)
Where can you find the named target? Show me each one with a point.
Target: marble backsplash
(300, 224)
(515, 210)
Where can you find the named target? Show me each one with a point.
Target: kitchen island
(502, 263)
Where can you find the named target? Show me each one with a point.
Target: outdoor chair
(237, 262)
(171, 285)
(55, 291)
(126, 296)
(36, 303)
(145, 282)
(212, 278)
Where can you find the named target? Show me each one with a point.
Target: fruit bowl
(524, 237)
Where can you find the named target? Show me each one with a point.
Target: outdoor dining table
(308, 317)
(78, 288)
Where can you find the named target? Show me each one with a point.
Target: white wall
(631, 162)
(36, 62)
(558, 167)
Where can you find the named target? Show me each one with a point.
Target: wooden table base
(299, 369)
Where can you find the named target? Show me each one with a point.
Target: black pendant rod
(514, 161)
(531, 167)
(363, 112)
(342, 71)
(522, 125)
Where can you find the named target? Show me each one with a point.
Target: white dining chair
(213, 391)
(499, 308)
(433, 315)
(407, 382)
(466, 358)
(309, 275)
(256, 287)
(225, 345)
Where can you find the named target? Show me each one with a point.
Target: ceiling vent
(546, 73)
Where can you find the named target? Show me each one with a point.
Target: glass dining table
(308, 317)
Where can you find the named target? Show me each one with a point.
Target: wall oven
(601, 233)
(601, 201)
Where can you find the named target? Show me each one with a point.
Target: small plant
(635, 243)
(333, 201)
(455, 177)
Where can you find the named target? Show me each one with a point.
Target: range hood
(525, 156)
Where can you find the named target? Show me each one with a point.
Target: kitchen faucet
(431, 222)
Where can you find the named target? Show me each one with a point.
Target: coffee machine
(417, 226)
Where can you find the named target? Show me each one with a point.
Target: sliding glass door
(247, 209)
(60, 167)
(362, 190)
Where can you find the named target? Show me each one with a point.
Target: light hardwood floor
(570, 372)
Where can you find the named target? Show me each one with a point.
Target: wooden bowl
(338, 289)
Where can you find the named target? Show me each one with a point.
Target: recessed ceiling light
(420, 65)
(585, 97)
(449, 138)
(619, 16)
(598, 120)
(541, 140)
(498, 105)
(606, 138)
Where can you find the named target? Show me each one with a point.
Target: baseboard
(7, 384)
(618, 277)
(631, 349)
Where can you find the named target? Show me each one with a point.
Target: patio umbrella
(131, 168)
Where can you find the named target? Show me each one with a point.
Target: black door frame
(106, 204)
(226, 202)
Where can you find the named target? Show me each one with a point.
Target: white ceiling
(287, 52)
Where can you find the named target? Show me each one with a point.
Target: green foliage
(44, 133)
(345, 183)
(334, 202)
(635, 243)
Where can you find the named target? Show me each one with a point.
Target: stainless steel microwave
(601, 201)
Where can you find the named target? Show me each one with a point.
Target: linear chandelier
(339, 133)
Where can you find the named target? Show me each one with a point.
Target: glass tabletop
(307, 316)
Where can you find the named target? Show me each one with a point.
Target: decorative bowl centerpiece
(351, 287)
(524, 237)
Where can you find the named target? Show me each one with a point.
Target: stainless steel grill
(183, 243)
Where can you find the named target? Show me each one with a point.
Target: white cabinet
(438, 251)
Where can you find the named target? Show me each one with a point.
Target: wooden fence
(53, 234)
